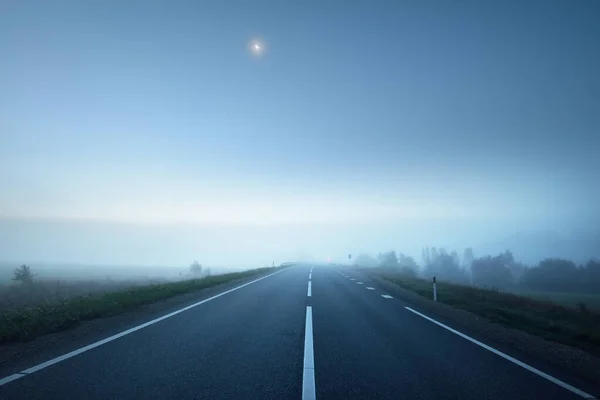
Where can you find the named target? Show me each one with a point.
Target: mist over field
(242, 140)
(170, 248)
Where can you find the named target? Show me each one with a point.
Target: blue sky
(379, 113)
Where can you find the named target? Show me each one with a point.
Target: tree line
(501, 271)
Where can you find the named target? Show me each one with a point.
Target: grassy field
(43, 291)
(574, 300)
(573, 326)
(30, 322)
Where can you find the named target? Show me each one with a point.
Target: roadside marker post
(434, 290)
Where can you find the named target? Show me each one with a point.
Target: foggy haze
(144, 137)
(249, 246)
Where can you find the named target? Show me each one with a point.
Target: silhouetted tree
(388, 259)
(500, 271)
(517, 270)
(493, 271)
(590, 276)
(553, 274)
(442, 265)
(23, 274)
(196, 268)
(408, 263)
(468, 258)
(365, 260)
(404, 259)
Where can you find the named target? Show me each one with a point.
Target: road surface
(301, 333)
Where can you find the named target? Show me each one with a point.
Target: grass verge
(28, 323)
(574, 300)
(575, 327)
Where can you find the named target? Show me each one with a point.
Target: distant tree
(388, 259)
(23, 274)
(408, 265)
(426, 256)
(553, 274)
(507, 257)
(403, 259)
(455, 258)
(467, 258)
(503, 271)
(196, 268)
(444, 266)
(493, 271)
(517, 270)
(467, 262)
(590, 277)
(560, 275)
(365, 260)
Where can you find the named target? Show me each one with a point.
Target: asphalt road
(257, 343)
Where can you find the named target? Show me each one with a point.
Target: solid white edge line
(509, 358)
(11, 378)
(308, 374)
(309, 276)
(73, 353)
(309, 294)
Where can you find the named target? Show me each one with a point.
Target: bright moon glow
(256, 47)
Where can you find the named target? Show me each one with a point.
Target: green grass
(28, 323)
(573, 326)
(591, 300)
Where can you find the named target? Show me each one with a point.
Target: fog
(156, 138)
(247, 246)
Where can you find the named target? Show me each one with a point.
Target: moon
(256, 47)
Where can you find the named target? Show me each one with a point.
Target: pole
(434, 290)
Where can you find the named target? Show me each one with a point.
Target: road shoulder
(17, 356)
(570, 360)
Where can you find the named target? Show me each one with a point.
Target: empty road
(302, 333)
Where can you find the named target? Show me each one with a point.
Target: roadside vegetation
(19, 323)
(556, 299)
(558, 280)
(578, 327)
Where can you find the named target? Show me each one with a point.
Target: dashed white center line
(352, 279)
(308, 375)
(370, 288)
(309, 289)
(386, 296)
(359, 283)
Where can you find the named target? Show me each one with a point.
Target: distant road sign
(349, 256)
